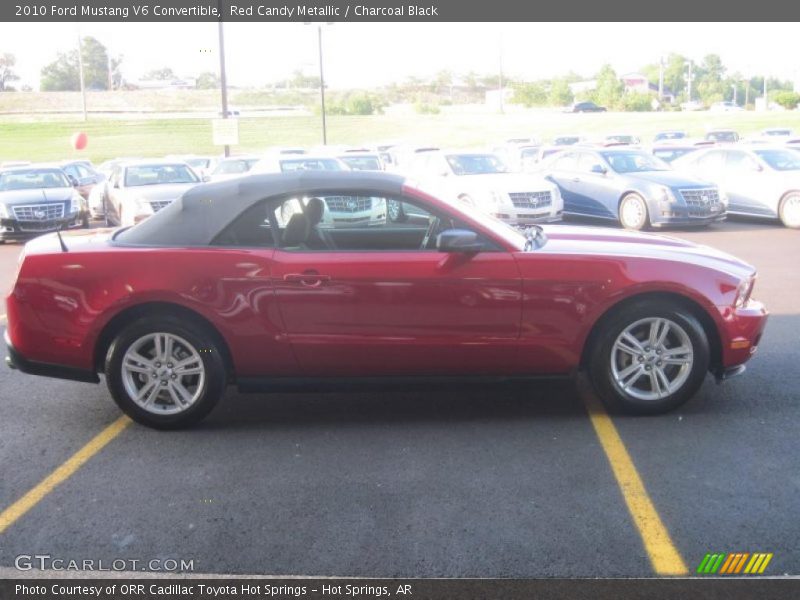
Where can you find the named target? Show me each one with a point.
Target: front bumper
(526, 216)
(15, 360)
(676, 214)
(741, 334)
(12, 229)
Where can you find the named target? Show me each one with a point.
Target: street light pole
(80, 74)
(223, 79)
(322, 87)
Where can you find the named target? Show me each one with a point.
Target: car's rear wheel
(164, 372)
(649, 358)
(395, 210)
(633, 212)
(789, 210)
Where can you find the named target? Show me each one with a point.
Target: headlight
(664, 195)
(74, 203)
(143, 207)
(497, 198)
(3, 211)
(743, 292)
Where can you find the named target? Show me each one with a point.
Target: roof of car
(203, 211)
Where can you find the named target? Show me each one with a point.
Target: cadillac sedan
(760, 181)
(218, 288)
(633, 188)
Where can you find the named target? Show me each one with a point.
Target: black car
(585, 107)
(35, 200)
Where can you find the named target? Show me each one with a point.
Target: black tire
(85, 221)
(395, 212)
(788, 216)
(106, 216)
(202, 342)
(602, 355)
(631, 200)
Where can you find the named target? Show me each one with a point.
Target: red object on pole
(79, 140)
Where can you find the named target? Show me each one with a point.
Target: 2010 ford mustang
(242, 282)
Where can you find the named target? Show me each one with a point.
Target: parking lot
(494, 481)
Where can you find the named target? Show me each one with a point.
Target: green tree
(162, 74)
(788, 100)
(609, 88)
(560, 94)
(530, 94)
(61, 75)
(207, 80)
(675, 73)
(98, 69)
(7, 75)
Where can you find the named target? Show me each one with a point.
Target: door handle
(309, 279)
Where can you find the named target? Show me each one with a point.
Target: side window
(587, 161)
(358, 222)
(712, 162)
(251, 229)
(737, 162)
(565, 162)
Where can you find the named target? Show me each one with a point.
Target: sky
(372, 54)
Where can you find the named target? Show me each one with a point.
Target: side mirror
(757, 167)
(599, 169)
(73, 182)
(205, 178)
(458, 240)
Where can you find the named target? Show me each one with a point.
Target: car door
(378, 303)
(114, 194)
(745, 186)
(563, 171)
(597, 191)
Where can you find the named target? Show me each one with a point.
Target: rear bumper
(17, 361)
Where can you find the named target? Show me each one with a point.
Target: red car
(238, 282)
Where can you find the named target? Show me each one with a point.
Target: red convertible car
(240, 282)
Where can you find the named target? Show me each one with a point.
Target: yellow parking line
(9, 516)
(663, 554)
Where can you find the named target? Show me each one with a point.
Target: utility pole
(500, 90)
(223, 78)
(80, 74)
(689, 82)
(766, 98)
(734, 92)
(322, 87)
(661, 78)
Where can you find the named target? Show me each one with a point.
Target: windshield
(311, 164)
(198, 163)
(780, 160)
(363, 163)
(670, 154)
(33, 179)
(723, 136)
(235, 167)
(670, 135)
(567, 140)
(622, 139)
(634, 162)
(475, 164)
(158, 175)
(778, 132)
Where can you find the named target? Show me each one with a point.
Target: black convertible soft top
(202, 212)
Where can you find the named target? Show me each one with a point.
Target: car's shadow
(732, 223)
(467, 402)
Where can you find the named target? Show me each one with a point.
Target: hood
(12, 197)
(615, 242)
(671, 179)
(506, 182)
(166, 191)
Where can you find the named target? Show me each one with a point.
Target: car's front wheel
(789, 210)
(649, 358)
(165, 373)
(633, 212)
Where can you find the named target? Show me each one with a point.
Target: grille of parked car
(157, 205)
(700, 198)
(348, 204)
(531, 199)
(39, 212)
